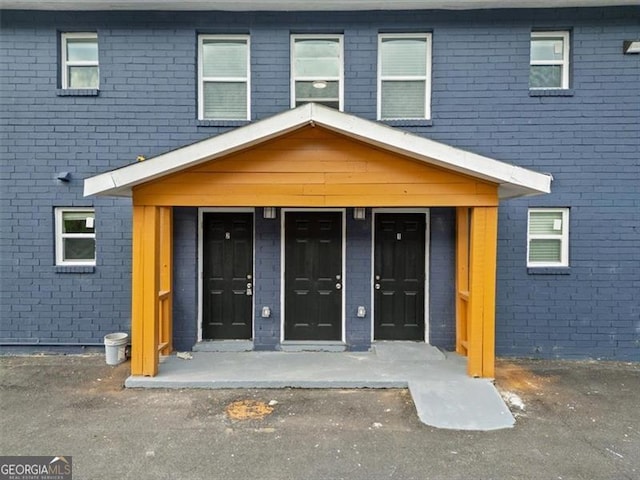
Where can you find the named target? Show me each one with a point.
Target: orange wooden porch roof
(390, 143)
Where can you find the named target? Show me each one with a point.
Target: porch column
(144, 290)
(462, 280)
(483, 238)
(165, 296)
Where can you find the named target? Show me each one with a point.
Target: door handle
(338, 286)
(249, 289)
(377, 285)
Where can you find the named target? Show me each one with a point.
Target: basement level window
(80, 66)
(75, 236)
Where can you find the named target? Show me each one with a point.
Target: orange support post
(166, 280)
(482, 281)
(462, 279)
(144, 291)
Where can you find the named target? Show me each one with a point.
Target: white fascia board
(432, 152)
(299, 5)
(516, 181)
(119, 182)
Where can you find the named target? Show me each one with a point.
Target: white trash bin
(115, 346)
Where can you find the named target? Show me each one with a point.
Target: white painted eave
(513, 181)
(300, 5)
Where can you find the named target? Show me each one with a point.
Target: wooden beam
(260, 199)
(462, 278)
(166, 279)
(137, 313)
(489, 317)
(482, 279)
(144, 291)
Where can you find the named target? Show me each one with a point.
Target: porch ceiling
(512, 181)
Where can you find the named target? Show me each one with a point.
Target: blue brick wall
(357, 274)
(442, 271)
(480, 101)
(358, 281)
(267, 281)
(185, 277)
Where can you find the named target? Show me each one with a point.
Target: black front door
(227, 284)
(313, 276)
(399, 276)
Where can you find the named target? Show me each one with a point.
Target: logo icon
(36, 468)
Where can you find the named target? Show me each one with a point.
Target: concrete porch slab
(445, 397)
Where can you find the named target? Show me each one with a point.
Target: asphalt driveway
(575, 420)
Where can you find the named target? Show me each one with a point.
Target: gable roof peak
(514, 181)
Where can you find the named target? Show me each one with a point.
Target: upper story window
(75, 236)
(549, 60)
(548, 237)
(223, 77)
(317, 72)
(80, 67)
(404, 76)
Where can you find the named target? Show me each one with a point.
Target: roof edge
(299, 5)
(513, 180)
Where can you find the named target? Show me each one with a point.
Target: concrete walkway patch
(444, 396)
(460, 405)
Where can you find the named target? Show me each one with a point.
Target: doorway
(313, 276)
(227, 275)
(399, 276)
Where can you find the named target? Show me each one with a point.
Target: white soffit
(300, 5)
(514, 181)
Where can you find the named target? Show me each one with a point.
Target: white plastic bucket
(115, 346)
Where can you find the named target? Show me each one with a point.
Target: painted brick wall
(185, 277)
(267, 281)
(358, 281)
(442, 265)
(147, 105)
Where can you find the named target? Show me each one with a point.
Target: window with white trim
(75, 236)
(317, 70)
(223, 77)
(80, 66)
(548, 237)
(549, 61)
(404, 76)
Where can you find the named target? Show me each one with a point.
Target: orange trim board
(315, 167)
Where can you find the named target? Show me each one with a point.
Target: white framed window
(548, 237)
(223, 77)
(80, 66)
(404, 76)
(75, 236)
(317, 70)
(549, 60)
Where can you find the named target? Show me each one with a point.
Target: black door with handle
(227, 284)
(313, 276)
(399, 276)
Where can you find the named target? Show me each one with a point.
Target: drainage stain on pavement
(248, 410)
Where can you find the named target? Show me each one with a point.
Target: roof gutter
(298, 5)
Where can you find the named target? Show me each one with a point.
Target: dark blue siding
(267, 281)
(147, 105)
(185, 277)
(358, 281)
(442, 271)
